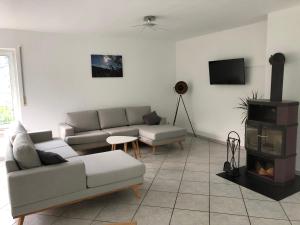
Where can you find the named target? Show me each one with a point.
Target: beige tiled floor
(180, 188)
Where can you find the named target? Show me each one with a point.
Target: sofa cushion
(24, 152)
(83, 120)
(48, 145)
(14, 129)
(135, 114)
(123, 131)
(110, 167)
(161, 132)
(112, 117)
(57, 146)
(50, 158)
(87, 137)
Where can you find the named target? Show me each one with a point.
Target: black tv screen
(231, 71)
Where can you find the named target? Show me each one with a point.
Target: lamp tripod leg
(178, 101)
(188, 116)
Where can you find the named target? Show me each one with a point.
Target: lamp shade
(181, 87)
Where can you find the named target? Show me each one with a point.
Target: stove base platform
(273, 191)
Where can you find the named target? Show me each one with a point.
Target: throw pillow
(24, 152)
(50, 158)
(151, 118)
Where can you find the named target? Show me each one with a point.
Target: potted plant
(243, 104)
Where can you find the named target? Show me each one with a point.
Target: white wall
(212, 107)
(284, 36)
(58, 78)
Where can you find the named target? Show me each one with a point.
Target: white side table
(116, 140)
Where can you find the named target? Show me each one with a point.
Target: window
(9, 88)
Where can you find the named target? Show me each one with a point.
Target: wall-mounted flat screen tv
(231, 71)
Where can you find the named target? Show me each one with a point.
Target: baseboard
(217, 141)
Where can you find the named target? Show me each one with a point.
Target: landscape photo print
(107, 66)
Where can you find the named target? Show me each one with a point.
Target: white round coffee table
(116, 140)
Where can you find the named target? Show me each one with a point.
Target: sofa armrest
(163, 121)
(65, 130)
(40, 136)
(45, 182)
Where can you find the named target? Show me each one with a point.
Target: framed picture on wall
(107, 66)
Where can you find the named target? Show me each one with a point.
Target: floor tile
(201, 159)
(117, 212)
(295, 198)
(36, 219)
(153, 165)
(202, 167)
(225, 219)
(249, 194)
(295, 222)
(170, 174)
(147, 183)
(165, 185)
(147, 215)
(195, 176)
(172, 166)
(265, 209)
(292, 210)
(187, 217)
(226, 190)
(126, 197)
(216, 179)
(263, 221)
(227, 205)
(191, 187)
(84, 210)
(192, 202)
(150, 173)
(100, 223)
(161, 199)
(67, 221)
(54, 212)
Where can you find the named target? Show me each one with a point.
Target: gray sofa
(82, 177)
(89, 129)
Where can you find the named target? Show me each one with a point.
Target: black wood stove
(270, 139)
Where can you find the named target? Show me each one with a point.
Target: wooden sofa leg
(21, 220)
(136, 190)
(181, 145)
(153, 149)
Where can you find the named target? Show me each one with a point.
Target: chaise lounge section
(89, 129)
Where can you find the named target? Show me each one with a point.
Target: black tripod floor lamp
(181, 88)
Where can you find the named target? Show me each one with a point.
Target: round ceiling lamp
(181, 87)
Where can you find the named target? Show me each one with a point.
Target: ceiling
(182, 18)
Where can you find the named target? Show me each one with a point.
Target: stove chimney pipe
(277, 61)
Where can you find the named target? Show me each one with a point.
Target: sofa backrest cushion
(83, 120)
(15, 129)
(135, 114)
(24, 152)
(112, 117)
